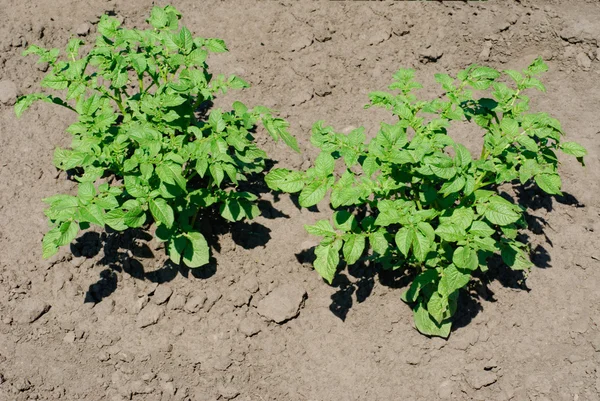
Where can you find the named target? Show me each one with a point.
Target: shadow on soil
(124, 251)
(355, 283)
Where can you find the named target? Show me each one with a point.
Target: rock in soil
(149, 315)
(8, 92)
(282, 304)
(195, 303)
(250, 326)
(481, 378)
(32, 310)
(162, 294)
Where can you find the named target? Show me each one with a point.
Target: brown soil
(70, 327)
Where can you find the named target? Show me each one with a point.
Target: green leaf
(92, 214)
(378, 242)
(324, 164)
(345, 221)
(86, 191)
(49, 247)
(573, 148)
(465, 258)
(313, 193)
(197, 252)
(427, 325)
(481, 229)
(175, 247)
(404, 240)
(453, 186)
(452, 280)
(450, 232)
(67, 233)
(423, 280)
(421, 244)
(158, 18)
(528, 142)
(285, 180)
(115, 219)
(327, 259)
(215, 45)
(500, 211)
(437, 306)
(161, 211)
(549, 183)
(354, 246)
(321, 228)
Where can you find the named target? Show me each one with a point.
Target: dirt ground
(106, 320)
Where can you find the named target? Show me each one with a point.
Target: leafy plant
(141, 151)
(419, 199)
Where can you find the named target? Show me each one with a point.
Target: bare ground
(70, 328)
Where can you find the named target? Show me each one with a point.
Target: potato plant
(141, 150)
(415, 199)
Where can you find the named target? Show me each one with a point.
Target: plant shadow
(355, 284)
(125, 252)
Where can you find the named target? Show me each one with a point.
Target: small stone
(282, 304)
(229, 393)
(430, 55)
(413, 357)
(168, 388)
(177, 330)
(139, 387)
(481, 378)
(250, 326)
(149, 315)
(32, 310)
(83, 29)
(300, 96)
(221, 363)
(464, 340)
(583, 61)
(251, 284)
(378, 37)
(8, 92)
(164, 377)
(596, 342)
(212, 296)
(148, 377)
(195, 303)
(104, 308)
(176, 302)
(22, 384)
(69, 338)
(103, 356)
(162, 294)
(445, 390)
(485, 52)
(43, 67)
(140, 304)
(239, 297)
(125, 357)
(301, 42)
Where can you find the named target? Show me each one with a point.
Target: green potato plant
(141, 151)
(420, 200)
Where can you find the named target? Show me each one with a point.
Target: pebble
(430, 55)
(481, 378)
(282, 304)
(250, 326)
(251, 284)
(176, 302)
(168, 388)
(212, 296)
(445, 390)
(485, 52)
(69, 338)
(301, 42)
(83, 29)
(22, 384)
(239, 297)
(149, 315)
(8, 92)
(379, 36)
(103, 356)
(33, 310)
(583, 61)
(162, 294)
(195, 303)
(464, 340)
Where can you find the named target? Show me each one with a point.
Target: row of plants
(146, 149)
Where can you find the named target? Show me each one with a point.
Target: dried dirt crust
(112, 323)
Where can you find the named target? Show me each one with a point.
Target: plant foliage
(413, 198)
(141, 152)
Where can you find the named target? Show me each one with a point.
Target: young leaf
(161, 211)
(427, 325)
(354, 246)
(573, 148)
(196, 252)
(314, 192)
(549, 183)
(327, 259)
